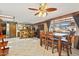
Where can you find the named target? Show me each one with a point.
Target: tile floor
(31, 47)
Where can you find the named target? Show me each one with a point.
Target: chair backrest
(69, 38)
(3, 44)
(42, 34)
(50, 35)
(2, 36)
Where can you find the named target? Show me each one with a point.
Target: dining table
(62, 35)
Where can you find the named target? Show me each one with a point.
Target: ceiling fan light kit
(42, 14)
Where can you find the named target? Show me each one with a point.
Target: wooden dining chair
(42, 39)
(60, 43)
(51, 42)
(4, 52)
(64, 44)
(67, 44)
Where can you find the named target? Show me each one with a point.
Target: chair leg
(57, 49)
(47, 45)
(67, 50)
(63, 48)
(70, 50)
(40, 42)
(52, 48)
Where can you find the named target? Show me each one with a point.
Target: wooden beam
(59, 17)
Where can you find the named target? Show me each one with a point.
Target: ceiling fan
(43, 9)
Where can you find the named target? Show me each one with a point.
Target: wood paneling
(12, 29)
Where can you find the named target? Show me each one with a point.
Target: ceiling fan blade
(51, 9)
(36, 13)
(33, 9)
